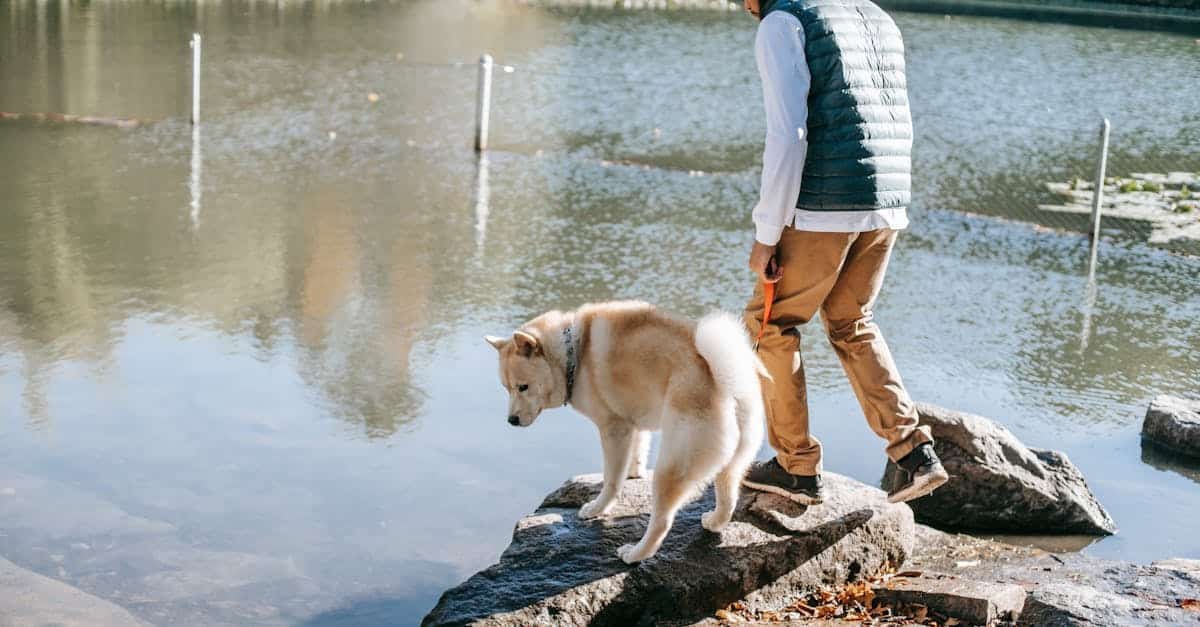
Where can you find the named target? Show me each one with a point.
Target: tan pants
(838, 274)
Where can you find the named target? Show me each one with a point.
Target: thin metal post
(1098, 195)
(195, 78)
(483, 109)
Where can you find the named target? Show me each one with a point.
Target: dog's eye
(522, 387)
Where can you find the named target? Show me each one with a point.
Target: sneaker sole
(920, 487)
(802, 499)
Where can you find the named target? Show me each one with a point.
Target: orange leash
(768, 299)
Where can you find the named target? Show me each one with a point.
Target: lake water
(242, 378)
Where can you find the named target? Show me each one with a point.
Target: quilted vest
(859, 126)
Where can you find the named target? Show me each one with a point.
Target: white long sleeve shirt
(779, 51)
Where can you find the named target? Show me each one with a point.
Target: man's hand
(763, 264)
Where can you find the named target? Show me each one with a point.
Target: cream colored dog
(632, 369)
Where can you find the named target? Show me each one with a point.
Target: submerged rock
(1174, 423)
(565, 571)
(27, 598)
(997, 484)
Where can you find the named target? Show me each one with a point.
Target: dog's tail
(723, 342)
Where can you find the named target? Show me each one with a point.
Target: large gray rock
(561, 570)
(1174, 423)
(997, 484)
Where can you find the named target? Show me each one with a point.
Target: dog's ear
(526, 344)
(496, 342)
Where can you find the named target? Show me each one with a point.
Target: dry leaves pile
(853, 602)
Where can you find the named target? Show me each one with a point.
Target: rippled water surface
(241, 372)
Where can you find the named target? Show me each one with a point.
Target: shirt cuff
(768, 234)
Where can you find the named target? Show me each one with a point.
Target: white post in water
(483, 109)
(1098, 194)
(195, 78)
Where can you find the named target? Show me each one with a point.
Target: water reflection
(482, 192)
(1163, 459)
(194, 187)
(288, 411)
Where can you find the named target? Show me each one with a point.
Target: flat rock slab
(997, 484)
(975, 602)
(30, 599)
(1174, 423)
(564, 571)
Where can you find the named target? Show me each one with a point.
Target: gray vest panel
(859, 126)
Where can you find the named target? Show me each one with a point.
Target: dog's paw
(594, 509)
(631, 553)
(711, 522)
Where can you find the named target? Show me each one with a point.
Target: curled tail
(723, 342)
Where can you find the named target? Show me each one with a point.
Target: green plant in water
(1150, 186)
(1182, 208)
(1074, 184)
(1129, 186)
(1184, 192)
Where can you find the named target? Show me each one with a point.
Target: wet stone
(1174, 423)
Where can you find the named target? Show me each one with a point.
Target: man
(835, 186)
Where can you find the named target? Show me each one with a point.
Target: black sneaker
(769, 476)
(923, 471)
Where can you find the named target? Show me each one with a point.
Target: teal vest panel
(859, 126)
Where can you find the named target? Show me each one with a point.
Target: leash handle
(768, 299)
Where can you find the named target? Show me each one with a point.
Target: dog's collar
(569, 343)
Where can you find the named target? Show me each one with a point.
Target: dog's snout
(514, 420)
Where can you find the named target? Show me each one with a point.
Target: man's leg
(810, 262)
(849, 322)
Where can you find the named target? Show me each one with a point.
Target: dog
(632, 369)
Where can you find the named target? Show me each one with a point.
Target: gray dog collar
(569, 342)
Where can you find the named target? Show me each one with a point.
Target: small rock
(998, 484)
(1180, 565)
(332, 135)
(1071, 604)
(976, 602)
(1174, 423)
(373, 97)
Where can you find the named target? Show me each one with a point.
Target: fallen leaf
(1190, 604)
(908, 573)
